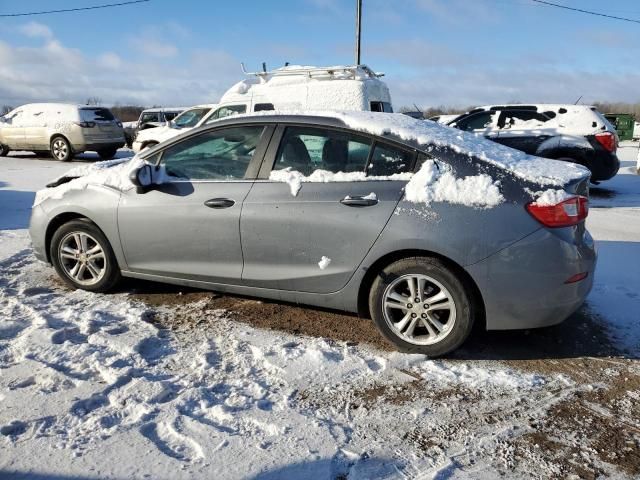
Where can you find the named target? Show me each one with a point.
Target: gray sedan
(425, 229)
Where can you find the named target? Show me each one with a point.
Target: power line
(551, 4)
(95, 7)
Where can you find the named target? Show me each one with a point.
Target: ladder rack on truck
(352, 70)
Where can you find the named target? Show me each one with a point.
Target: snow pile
(324, 262)
(430, 185)
(295, 179)
(111, 173)
(552, 197)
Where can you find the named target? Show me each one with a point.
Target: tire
(61, 149)
(436, 330)
(4, 150)
(107, 153)
(90, 239)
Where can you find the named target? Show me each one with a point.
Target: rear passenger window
(306, 149)
(387, 160)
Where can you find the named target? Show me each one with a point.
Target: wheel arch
(61, 135)
(391, 257)
(59, 220)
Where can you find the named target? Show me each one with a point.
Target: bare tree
(94, 101)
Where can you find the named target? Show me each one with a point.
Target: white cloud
(54, 72)
(154, 47)
(36, 30)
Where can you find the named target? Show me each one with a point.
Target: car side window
(308, 149)
(516, 118)
(218, 155)
(227, 111)
(263, 107)
(387, 160)
(478, 121)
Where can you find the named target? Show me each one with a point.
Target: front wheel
(61, 149)
(83, 258)
(421, 306)
(107, 153)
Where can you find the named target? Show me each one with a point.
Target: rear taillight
(86, 124)
(563, 214)
(608, 140)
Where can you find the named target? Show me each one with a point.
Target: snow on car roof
(528, 167)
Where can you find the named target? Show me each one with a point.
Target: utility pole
(358, 29)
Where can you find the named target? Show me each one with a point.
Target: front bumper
(523, 286)
(37, 232)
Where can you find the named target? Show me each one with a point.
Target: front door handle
(358, 201)
(220, 203)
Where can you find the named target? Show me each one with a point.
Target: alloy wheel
(419, 309)
(82, 258)
(60, 149)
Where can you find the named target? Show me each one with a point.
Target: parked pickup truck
(150, 118)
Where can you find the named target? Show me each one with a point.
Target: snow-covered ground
(112, 386)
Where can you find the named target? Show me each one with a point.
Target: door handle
(358, 201)
(220, 203)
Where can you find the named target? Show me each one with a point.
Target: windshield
(190, 118)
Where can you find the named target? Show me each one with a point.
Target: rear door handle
(220, 203)
(358, 201)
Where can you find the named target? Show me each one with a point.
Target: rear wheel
(421, 306)
(61, 149)
(107, 153)
(83, 258)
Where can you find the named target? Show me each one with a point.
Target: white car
(187, 120)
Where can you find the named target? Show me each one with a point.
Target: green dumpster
(624, 123)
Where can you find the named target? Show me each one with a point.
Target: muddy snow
(155, 381)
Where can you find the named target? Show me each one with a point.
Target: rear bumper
(523, 286)
(604, 166)
(100, 145)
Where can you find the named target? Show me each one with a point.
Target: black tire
(4, 150)
(61, 149)
(107, 153)
(111, 275)
(433, 268)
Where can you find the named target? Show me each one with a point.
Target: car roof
(165, 109)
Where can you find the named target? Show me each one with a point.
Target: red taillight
(608, 141)
(564, 214)
(86, 124)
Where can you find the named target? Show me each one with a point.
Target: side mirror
(142, 178)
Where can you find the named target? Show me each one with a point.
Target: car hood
(111, 173)
(159, 134)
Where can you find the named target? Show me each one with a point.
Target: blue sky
(434, 52)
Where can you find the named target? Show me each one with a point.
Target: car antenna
(578, 101)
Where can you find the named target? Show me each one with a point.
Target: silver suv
(62, 129)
